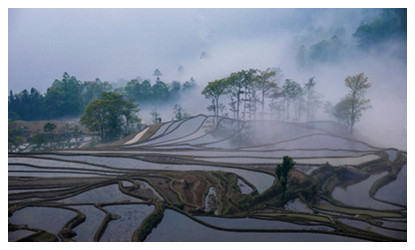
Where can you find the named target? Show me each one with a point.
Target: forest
(68, 97)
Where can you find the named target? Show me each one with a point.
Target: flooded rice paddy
(176, 227)
(206, 178)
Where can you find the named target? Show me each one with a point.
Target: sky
(125, 43)
(112, 44)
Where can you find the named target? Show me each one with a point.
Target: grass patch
(149, 223)
(356, 211)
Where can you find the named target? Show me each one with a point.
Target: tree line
(248, 91)
(112, 115)
(390, 25)
(69, 97)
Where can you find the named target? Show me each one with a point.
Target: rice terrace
(207, 178)
(207, 125)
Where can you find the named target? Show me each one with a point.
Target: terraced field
(210, 178)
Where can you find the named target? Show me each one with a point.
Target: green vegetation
(391, 24)
(179, 112)
(214, 90)
(350, 108)
(282, 171)
(246, 89)
(68, 97)
(149, 223)
(264, 84)
(110, 116)
(386, 26)
(16, 137)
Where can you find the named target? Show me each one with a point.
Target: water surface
(131, 217)
(176, 227)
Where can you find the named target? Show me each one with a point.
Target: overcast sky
(125, 43)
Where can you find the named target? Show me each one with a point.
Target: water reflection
(245, 188)
(298, 206)
(397, 190)
(358, 194)
(176, 227)
(366, 226)
(391, 154)
(87, 229)
(19, 234)
(50, 219)
(131, 216)
(109, 193)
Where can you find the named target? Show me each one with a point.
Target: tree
(283, 169)
(77, 135)
(188, 85)
(160, 91)
(301, 58)
(38, 140)
(174, 90)
(157, 73)
(108, 115)
(129, 113)
(391, 24)
(155, 116)
(179, 112)
(292, 91)
(27, 105)
(91, 90)
(237, 85)
(16, 137)
(140, 92)
(65, 97)
(49, 127)
(312, 98)
(277, 105)
(213, 91)
(351, 107)
(264, 83)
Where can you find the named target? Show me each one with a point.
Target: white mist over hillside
(209, 44)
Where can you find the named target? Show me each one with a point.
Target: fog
(209, 44)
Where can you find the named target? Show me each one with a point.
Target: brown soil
(32, 127)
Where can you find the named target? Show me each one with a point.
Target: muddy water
(131, 217)
(176, 227)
